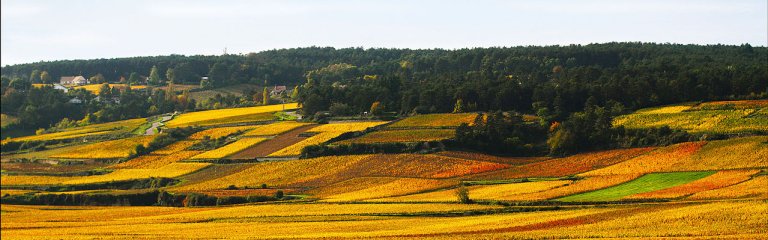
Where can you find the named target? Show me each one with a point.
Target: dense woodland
(552, 82)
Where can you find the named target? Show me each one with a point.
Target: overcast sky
(35, 30)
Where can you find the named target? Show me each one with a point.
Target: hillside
(241, 156)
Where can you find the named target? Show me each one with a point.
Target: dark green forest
(550, 81)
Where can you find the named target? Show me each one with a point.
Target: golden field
(449, 120)
(324, 171)
(219, 132)
(109, 149)
(691, 190)
(324, 132)
(167, 171)
(274, 128)
(89, 130)
(230, 149)
(210, 116)
(722, 220)
(96, 88)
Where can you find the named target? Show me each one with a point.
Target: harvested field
(272, 145)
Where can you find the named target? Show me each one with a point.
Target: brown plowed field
(279, 142)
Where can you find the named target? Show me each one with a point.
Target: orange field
(509, 191)
(754, 188)
(491, 158)
(368, 188)
(655, 161)
(718, 180)
(156, 161)
(567, 166)
(324, 171)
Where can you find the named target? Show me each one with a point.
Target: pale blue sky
(35, 30)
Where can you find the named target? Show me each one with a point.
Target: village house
(277, 90)
(73, 80)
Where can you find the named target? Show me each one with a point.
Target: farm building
(73, 80)
(277, 90)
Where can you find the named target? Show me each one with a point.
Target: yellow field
(749, 189)
(175, 147)
(230, 149)
(346, 126)
(325, 132)
(167, 171)
(368, 188)
(738, 153)
(95, 88)
(274, 128)
(712, 117)
(403, 135)
(93, 129)
(738, 220)
(194, 118)
(215, 133)
(667, 109)
(481, 192)
(156, 161)
(109, 149)
(324, 171)
(435, 120)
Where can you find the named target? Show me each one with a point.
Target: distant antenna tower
(225, 50)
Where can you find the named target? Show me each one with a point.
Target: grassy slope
(647, 183)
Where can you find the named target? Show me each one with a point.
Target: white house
(73, 80)
(60, 87)
(75, 100)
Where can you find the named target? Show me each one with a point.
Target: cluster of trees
(148, 198)
(502, 133)
(44, 107)
(553, 82)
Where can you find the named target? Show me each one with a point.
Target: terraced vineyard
(251, 174)
(725, 117)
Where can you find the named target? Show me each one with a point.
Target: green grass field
(649, 182)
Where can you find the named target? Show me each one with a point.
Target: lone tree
(459, 107)
(265, 96)
(463, 195)
(154, 76)
(376, 108)
(45, 77)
